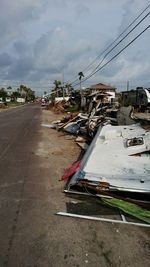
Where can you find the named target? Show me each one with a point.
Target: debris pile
(116, 162)
(63, 104)
(3, 106)
(116, 169)
(96, 110)
(60, 106)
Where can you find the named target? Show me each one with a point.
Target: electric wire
(113, 42)
(119, 42)
(117, 37)
(86, 78)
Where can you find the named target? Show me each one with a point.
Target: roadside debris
(82, 142)
(71, 171)
(101, 219)
(127, 148)
(116, 161)
(50, 126)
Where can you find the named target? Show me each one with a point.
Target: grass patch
(73, 108)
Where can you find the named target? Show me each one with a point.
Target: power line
(113, 41)
(119, 42)
(115, 55)
(119, 36)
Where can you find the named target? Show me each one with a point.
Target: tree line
(22, 92)
(60, 90)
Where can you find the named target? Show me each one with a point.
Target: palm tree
(9, 88)
(57, 84)
(3, 94)
(14, 95)
(81, 75)
(26, 92)
(69, 88)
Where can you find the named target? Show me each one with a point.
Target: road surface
(18, 137)
(32, 159)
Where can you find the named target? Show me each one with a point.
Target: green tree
(3, 94)
(26, 92)
(14, 95)
(57, 88)
(9, 88)
(69, 88)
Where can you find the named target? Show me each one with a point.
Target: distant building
(8, 99)
(20, 100)
(105, 89)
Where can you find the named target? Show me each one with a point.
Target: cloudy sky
(44, 40)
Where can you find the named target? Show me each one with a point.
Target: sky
(46, 40)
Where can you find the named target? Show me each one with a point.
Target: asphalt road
(18, 138)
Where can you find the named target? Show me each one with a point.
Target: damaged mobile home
(117, 160)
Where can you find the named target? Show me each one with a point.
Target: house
(8, 99)
(106, 89)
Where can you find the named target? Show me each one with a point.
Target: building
(109, 90)
(138, 98)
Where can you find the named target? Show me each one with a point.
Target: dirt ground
(77, 242)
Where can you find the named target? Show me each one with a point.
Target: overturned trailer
(118, 160)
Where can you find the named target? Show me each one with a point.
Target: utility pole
(63, 85)
(81, 75)
(127, 85)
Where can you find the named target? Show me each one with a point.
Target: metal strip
(101, 219)
(85, 194)
(123, 218)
